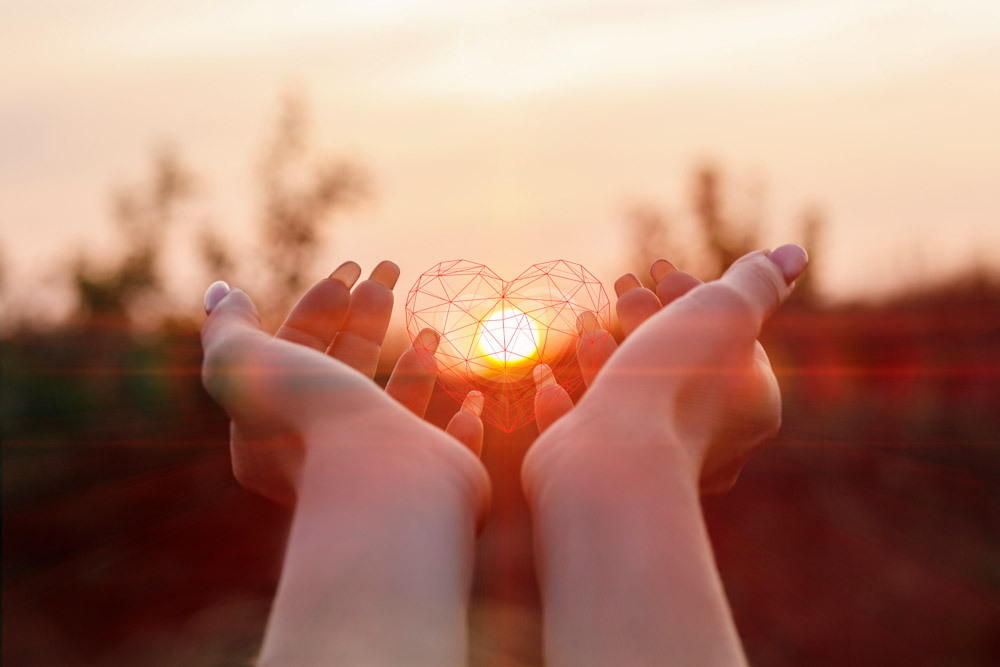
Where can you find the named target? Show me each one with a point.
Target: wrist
(397, 462)
(380, 555)
(622, 553)
(590, 455)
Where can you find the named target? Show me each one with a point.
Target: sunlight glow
(508, 336)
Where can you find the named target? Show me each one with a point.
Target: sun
(508, 336)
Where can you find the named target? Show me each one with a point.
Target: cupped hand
(691, 373)
(318, 369)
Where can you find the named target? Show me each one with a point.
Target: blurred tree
(215, 254)
(723, 232)
(142, 214)
(300, 195)
(727, 236)
(651, 239)
(722, 235)
(813, 221)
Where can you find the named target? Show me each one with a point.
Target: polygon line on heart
(494, 332)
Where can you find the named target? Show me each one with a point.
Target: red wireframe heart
(494, 332)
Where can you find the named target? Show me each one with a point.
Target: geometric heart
(494, 332)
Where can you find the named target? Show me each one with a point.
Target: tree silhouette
(724, 232)
(727, 236)
(813, 221)
(300, 196)
(142, 214)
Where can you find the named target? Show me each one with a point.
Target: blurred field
(610, 134)
(867, 533)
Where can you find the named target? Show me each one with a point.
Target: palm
(319, 366)
(692, 366)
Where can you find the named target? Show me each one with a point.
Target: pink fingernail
(215, 293)
(660, 269)
(791, 259)
(347, 273)
(627, 282)
(386, 273)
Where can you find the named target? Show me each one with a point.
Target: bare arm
(378, 564)
(625, 564)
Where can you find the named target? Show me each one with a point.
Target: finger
(359, 340)
(229, 337)
(674, 285)
(466, 426)
(764, 280)
(215, 293)
(230, 312)
(594, 348)
(319, 313)
(412, 380)
(635, 303)
(551, 400)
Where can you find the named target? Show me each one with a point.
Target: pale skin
(625, 566)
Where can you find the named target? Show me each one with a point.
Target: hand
(690, 374)
(318, 370)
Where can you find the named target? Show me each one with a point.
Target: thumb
(230, 311)
(551, 400)
(229, 337)
(765, 279)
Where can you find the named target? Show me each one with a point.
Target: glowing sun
(508, 336)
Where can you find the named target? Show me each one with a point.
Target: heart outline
(456, 296)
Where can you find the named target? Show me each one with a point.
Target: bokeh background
(148, 148)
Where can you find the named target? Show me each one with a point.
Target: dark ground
(868, 533)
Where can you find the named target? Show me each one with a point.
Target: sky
(511, 133)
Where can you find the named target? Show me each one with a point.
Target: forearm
(378, 566)
(625, 563)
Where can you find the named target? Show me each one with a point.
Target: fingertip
(762, 280)
(659, 269)
(543, 377)
(467, 428)
(674, 285)
(215, 293)
(551, 403)
(634, 307)
(792, 259)
(586, 322)
(386, 272)
(428, 339)
(347, 274)
(627, 282)
(473, 403)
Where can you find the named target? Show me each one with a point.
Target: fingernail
(473, 403)
(215, 293)
(386, 273)
(627, 282)
(347, 273)
(660, 268)
(543, 376)
(791, 259)
(586, 322)
(428, 339)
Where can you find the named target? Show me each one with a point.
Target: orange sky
(515, 132)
